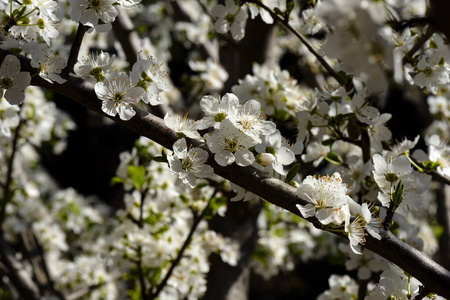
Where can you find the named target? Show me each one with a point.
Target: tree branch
(35, 254)
(422, 40)
(7, 186)
(176, 261)
(305, 42)
(17, 273)
(432, 275)
(74, 50)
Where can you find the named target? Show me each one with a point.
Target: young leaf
(137, 176)
(292, 172)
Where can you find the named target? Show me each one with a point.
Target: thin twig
(75, 49)
(17, 273)
(408, 56)
(84, 291)
(176, 261)
(362, 289)
(8, 182)
(305, 42)
(139, 260)
(36, 256)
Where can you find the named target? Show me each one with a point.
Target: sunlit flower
(230, 144)
(189, 163)
(148, 75)
(118, 95)
(328, 199)
(230, 17)
(182, 125)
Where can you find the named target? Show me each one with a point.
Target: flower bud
(265, 159)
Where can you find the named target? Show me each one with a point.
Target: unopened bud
(265, 159)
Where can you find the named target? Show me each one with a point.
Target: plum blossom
(49, 64)
(94, 13)
(182, 125)
(217, 109)
(148, 75)
(230, 144)
(230, 17)
(189, 163)
(276, 149)
(94, 66)
(249, 119)
(12, 81)
(341, 287)
(439, 152)
(327, 197)
(118, 95)
(387, 174)
(432, 73)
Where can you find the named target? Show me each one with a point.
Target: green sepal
(277, 11)
(292, 173)
(215, 204)
(431, 165)
(116, 180)
(290, 6)
(328, 142)
(333, 158)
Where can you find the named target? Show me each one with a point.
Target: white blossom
(147, 74)
(230, 17)
(118, 95)
(327, 197)
(230, 144)
(182, 125)
(12, 81)
(189, 163)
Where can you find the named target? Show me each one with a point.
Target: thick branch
(431, 274)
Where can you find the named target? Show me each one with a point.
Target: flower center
(220, 117)
(230, 18)
(428, 71)
(95, 5)
(391, 177)
(118, 97)
(6, 82)
(231, 145)
(186, 164)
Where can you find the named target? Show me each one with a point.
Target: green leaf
(282, 115)
(333, 158)
(292, 173)
(277, 11)
(135, 293)
(290, 6)
(160, 159)
(328, 142)
(214, 206)
(116, 180)
(137, 176)
(346, 78)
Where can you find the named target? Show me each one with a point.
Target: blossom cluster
(339, 128)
